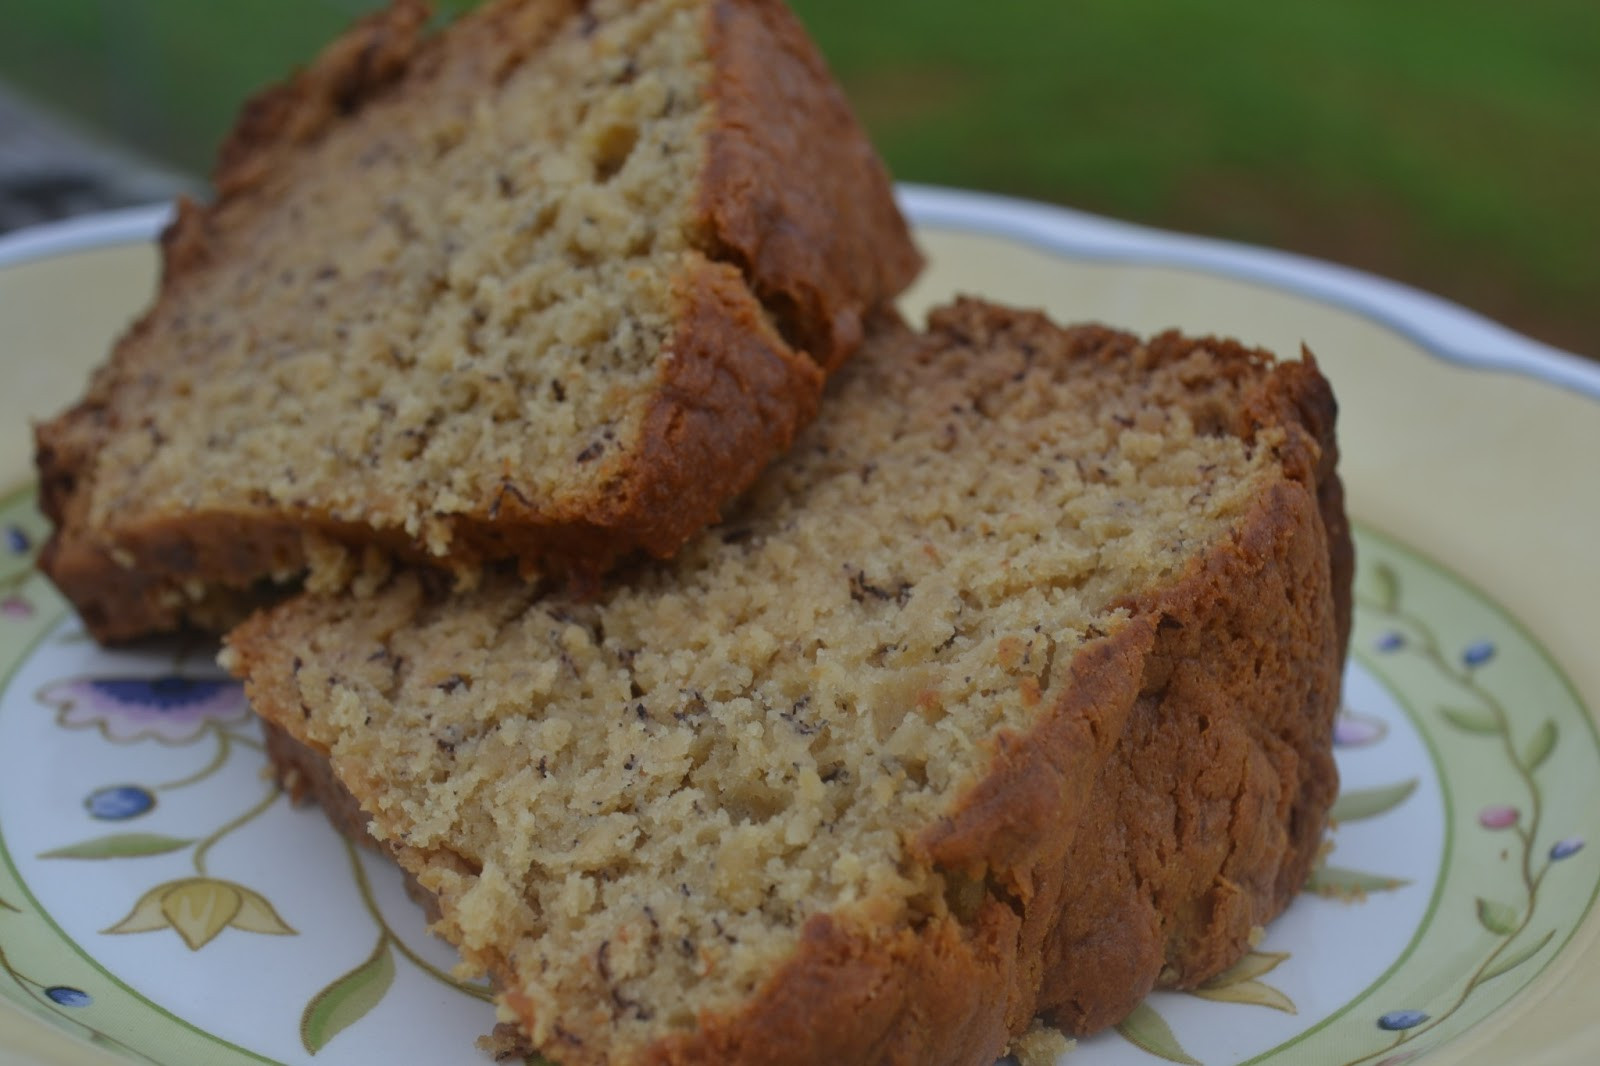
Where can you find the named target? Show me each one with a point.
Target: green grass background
(1451, 144)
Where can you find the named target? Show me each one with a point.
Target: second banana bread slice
(1009, 689)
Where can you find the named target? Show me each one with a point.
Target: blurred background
(1450, 144)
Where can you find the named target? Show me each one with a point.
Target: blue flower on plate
(117, 803)
(1389, 642)
(68, 996)
(1562, 849)
(1478, 654)
(17, 541)
(171, 709)
(1396, 1020)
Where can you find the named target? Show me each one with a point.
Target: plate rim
(1415, 314)
(1418, 315)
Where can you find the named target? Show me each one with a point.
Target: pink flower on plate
(1352, 730)
(171, 709)
(1499, 817)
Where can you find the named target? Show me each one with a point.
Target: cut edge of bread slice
(790, 239)
(1131, 822)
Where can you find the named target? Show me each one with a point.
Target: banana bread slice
(1008, 690)
(552, 284)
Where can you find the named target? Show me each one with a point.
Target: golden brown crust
(1204, 823)
(120, 602)
(372, 54)
(792, 200)
(308, 778)
(730, 400)
(808, 227)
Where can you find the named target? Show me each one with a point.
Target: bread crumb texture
(474, 283)
(636, 809)
(1041, 1045)
(481, 295)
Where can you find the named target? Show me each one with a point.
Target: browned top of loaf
(551, 285)
(1009, 688)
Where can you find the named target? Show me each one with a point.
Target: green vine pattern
(199, 908)
(65, 1003)
(1479, 714)
(1472, 711)
(179, 711)
(62, 1002)
(125, 711)
(349, 997)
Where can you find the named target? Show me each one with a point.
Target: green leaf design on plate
(1388, 583)
(348, 999)
(1371, 802)
(1253, 993)
(1472, 720)
(1518, 957)
(119, 846)
(198, 908)
(256, 915)
(1148, 1031)
(1337, 882)
(1540, 747)
(1254, 964)
(1498, 918)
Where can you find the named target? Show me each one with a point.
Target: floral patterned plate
(159, 899)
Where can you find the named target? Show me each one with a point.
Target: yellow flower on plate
(199, 908)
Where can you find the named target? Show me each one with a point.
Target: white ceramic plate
(158, 899)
